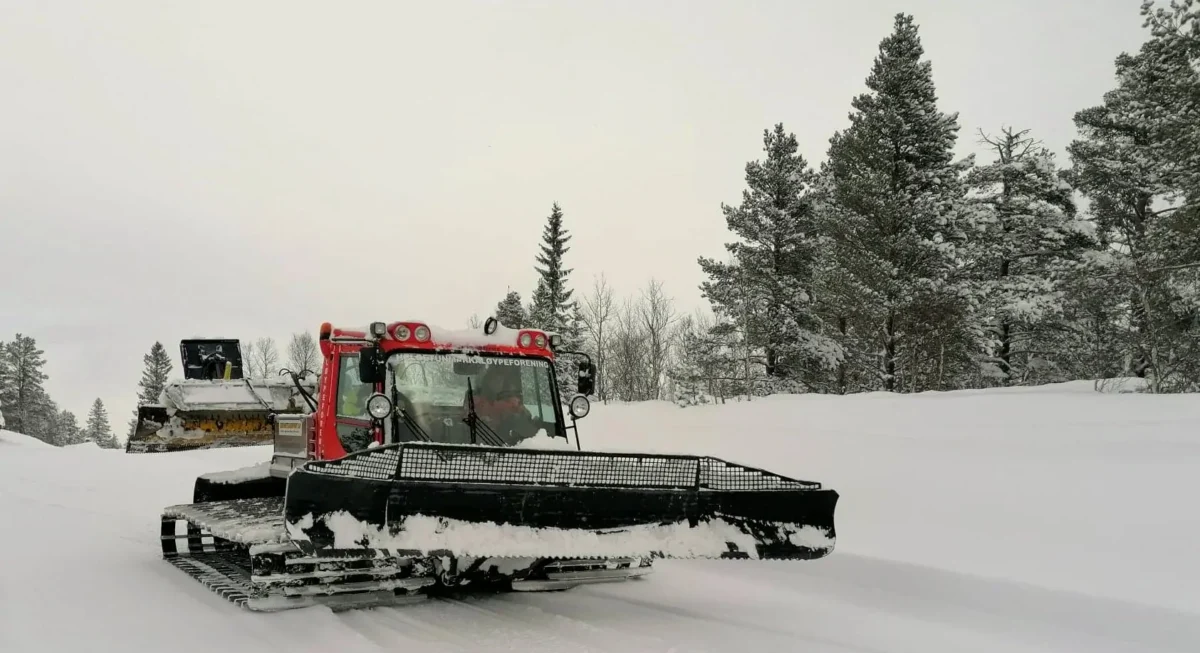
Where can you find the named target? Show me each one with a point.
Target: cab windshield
(512, 397)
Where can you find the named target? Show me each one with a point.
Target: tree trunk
(841, 372)
(1005, 337)
(889, 352)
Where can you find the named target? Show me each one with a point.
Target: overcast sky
(170, 169)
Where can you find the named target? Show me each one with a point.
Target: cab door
(355, 430)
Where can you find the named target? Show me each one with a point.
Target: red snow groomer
(420, 460)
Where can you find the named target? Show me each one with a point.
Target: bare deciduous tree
(597, 314)
(303, 354)
(263, 358)
(656, 315)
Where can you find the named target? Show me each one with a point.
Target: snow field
(1053, 519)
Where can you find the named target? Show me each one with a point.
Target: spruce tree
(510, 312)
(155, 374)
(98, 429)
(767, 289)
(553, 309)
(893, 193)
(24, 396)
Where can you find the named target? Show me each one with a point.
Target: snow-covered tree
(706, 367)
(1138, 162)
(24, 396)
(768, 285)
(98, 429)
(1023, 236)
(303, 353)
(891, 196)
(510, 312)
(4, 379)
(66, 429)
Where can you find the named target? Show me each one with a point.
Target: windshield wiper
(408, 419)
(477, 425)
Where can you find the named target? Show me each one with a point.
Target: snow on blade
(234, 395)
(430, 535)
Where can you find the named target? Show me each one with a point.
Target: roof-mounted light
(540, 341)
(378, 329)
(401, 332)
(555, 341)
(525, 340)
(421, 333)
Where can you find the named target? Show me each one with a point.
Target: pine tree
(98, 429)
(4, 381)
(155, 374)
(892, 192)
(1023, 236)
(510, 312)
(1138, 162)
(768, 287)
(24, 397)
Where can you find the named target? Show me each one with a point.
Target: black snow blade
(467, 500)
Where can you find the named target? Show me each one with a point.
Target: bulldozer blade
(426, 499)
(203, 414)
(158, 432)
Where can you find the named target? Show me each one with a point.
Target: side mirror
(587, 378)
(370, 365)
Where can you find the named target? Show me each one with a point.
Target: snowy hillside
(1055, 519)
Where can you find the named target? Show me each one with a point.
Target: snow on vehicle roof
(503, 336)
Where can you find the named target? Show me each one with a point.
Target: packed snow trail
(1047, 520)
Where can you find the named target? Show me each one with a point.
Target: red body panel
(335, 342)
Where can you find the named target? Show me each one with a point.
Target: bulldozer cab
(207, 359)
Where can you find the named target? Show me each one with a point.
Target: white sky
(170, 169)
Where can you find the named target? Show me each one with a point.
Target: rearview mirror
(587, 378)
(370, 365)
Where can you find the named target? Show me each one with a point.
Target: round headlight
(580, 406)
(379, 406)
(422, 333)
(402, 332)
(541, 342)
(525, 340)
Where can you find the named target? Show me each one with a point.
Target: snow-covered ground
(1051, 519)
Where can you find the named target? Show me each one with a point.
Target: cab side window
(352, 393)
